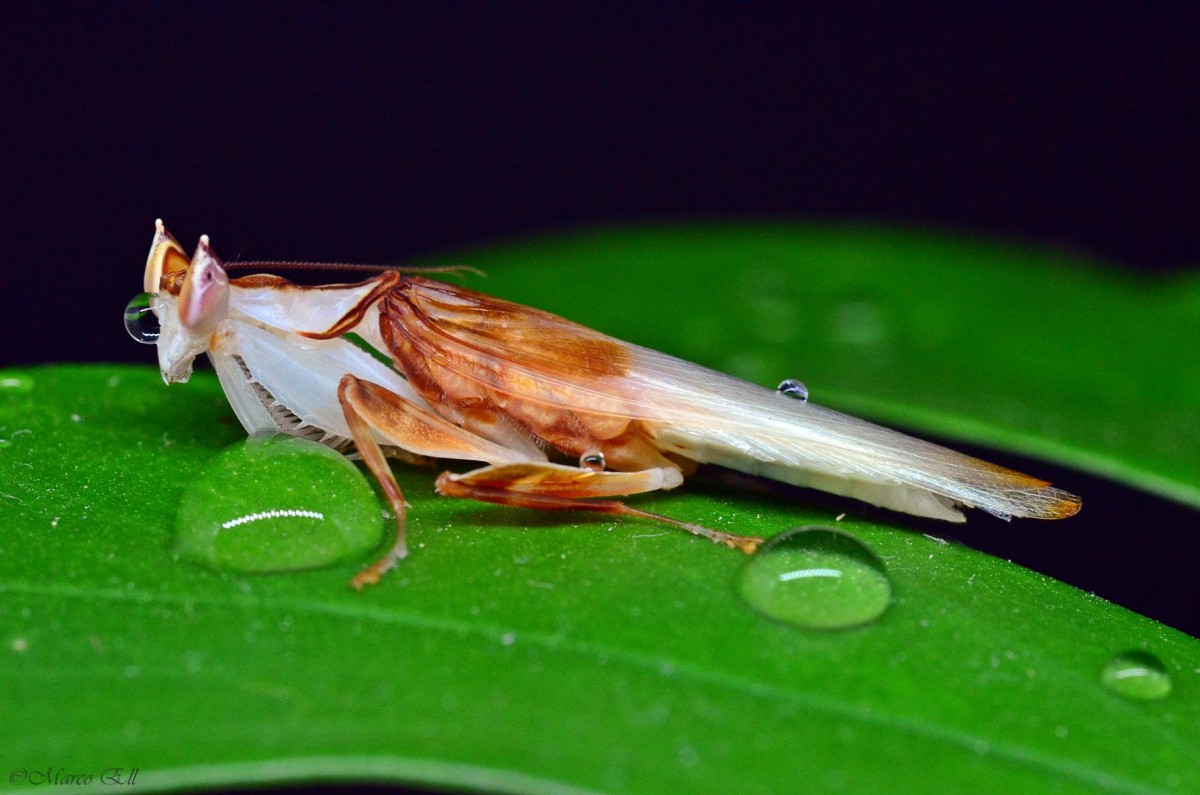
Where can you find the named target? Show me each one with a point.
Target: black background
(371, 133)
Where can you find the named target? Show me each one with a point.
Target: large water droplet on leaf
(1137, 675)
(16, 383)
(817, 578)
(277, 504)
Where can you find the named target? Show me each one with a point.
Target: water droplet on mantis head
(793, 389)
(816, 578)
(1137, 675)
(277, 503)
(140, 320)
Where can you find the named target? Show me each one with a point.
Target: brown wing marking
(464, 351)
(535, 338)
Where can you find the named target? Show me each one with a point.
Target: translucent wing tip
(1033, 498)
(1059, 505)
(1041, 503)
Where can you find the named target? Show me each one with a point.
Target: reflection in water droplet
(817, 578)
(277, 504)
(13, 382)
(793, 389)
(1137, 675)
(140, 320)
(592, 461)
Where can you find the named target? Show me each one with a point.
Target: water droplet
(16, 383)
(277, 504)
(793, 389)
(816, 578)
(592, 461)
(140, 320)
(1137, 675)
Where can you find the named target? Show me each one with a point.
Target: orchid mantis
(562, 418)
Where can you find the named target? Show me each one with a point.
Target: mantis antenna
(346, 266)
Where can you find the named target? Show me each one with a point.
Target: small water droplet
(277, 503)
(140, 320)
(1137, 675)
(16, 383)
(793, 389)
(816, 578)
(592, 461)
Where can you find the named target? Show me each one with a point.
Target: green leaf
(535, 653)
(1019, 348)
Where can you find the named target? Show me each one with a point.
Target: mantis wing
(704, 415)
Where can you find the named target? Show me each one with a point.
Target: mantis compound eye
(140, 320)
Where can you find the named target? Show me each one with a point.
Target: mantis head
(187, 299)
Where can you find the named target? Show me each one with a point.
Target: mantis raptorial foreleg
(372, 456)
(369, 408)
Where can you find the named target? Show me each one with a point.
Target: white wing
(714, 418)
(708, 416)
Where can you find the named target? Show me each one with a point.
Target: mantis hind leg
(554, 487)
(512, 478)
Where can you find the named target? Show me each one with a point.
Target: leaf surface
(531, 653)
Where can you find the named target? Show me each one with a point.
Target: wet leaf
(532, 653)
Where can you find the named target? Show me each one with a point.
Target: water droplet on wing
(793, 389)
(592, 461)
